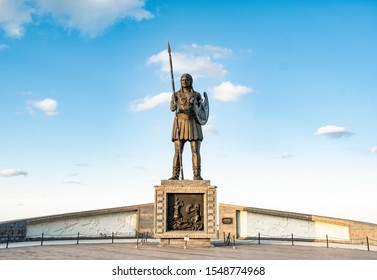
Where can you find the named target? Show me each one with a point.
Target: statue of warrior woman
(191, 114)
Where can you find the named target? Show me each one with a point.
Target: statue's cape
(202, 111)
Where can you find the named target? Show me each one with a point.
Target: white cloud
(48, 106)
(150, 102)
(227, 92)
(14, 15)
(207, 50)
(89, 17)
(332, 131)
(374, 149)
(72, 182)
(285, 155)
(3, 47)
(83, 164)
(12, 172)
(199, 65)
(210, 129)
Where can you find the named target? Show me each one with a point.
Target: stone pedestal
(185, 213)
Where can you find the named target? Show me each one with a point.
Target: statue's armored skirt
(188, 128)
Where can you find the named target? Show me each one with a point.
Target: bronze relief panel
(185, 212)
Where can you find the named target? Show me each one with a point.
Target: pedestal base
(191, 243)
(185, 213)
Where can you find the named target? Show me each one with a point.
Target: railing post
(8, 241)
(224, 236)
(368, 243)
(112, 237)
(42, 239)
(185, 247)
(137, 239)
(78, 237)
(258, 237)
(292, 240)
(146, 237)
(327, 241)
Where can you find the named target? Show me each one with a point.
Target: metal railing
(228, 240)
(137, 237)
(293, 239)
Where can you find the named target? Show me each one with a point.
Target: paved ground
(128, 251)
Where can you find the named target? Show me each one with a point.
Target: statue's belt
(184, 116)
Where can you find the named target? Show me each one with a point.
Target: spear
(176, 112)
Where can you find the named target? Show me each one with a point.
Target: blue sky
(84, 103)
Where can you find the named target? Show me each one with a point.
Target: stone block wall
(14, 230)
(360, 231)
(146, 219)
(227, 221)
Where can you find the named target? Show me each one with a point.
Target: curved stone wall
(240, 221)
(247, 222)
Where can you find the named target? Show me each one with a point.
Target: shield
(202, 111)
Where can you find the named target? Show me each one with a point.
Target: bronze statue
(191, 112)
(186, 126)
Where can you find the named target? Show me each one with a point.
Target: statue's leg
(195, 150)
(178, 145)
